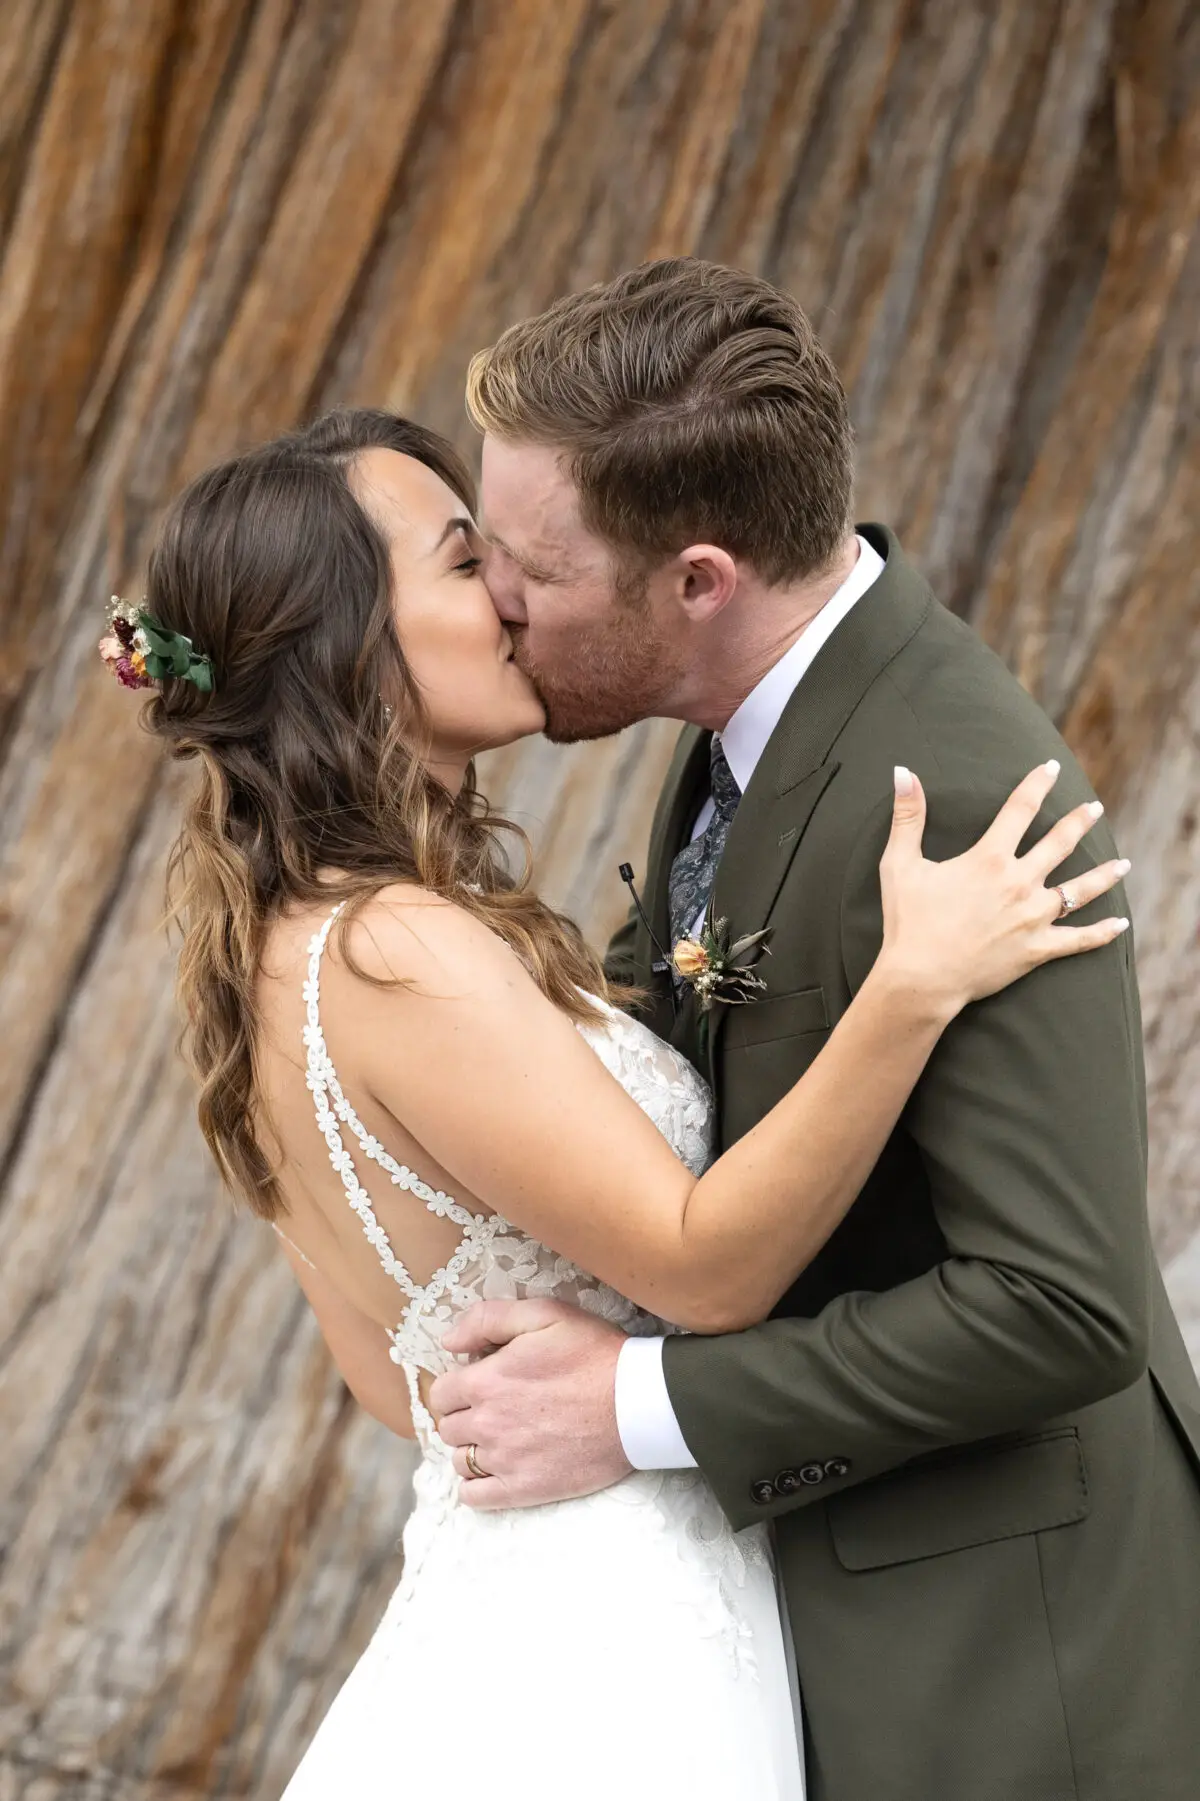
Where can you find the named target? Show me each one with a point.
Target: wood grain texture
(217, 217)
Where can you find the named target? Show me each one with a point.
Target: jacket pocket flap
(777, 1016)
(972, 1497)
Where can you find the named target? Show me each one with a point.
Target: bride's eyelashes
(468, 566)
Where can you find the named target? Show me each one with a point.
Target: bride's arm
(499, 1087)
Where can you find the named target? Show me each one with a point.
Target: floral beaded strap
(331, 1106)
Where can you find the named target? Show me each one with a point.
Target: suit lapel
(797, 765)
(764, 837)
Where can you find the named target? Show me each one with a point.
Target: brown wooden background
(217, 216)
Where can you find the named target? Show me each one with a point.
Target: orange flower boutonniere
(720, 970)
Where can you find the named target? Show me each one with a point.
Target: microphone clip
(662, 964)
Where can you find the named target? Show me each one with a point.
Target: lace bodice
(494, 1260)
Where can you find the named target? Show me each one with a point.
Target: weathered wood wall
(218, 215)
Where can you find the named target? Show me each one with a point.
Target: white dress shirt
(646, 1420)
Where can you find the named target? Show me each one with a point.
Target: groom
(972, 1420)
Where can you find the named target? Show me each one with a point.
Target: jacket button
(787, 1482)
(762, 1493)
(811, 1473)
(838, 1466)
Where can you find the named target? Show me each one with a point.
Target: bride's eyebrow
(460, 523)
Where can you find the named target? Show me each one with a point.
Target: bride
(415, 1070)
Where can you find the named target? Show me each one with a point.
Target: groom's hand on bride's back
(536, 1407)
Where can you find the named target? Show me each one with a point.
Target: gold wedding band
(473, 1464)
(1067, 902)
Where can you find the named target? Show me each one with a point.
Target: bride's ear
(708, 580)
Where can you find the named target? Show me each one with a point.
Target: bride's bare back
(319, 1223)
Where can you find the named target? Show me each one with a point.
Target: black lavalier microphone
(663, 963)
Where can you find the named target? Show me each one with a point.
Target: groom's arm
(1028, 1122)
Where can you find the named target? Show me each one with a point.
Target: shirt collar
(745, 737)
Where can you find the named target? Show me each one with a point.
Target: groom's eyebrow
(526, 563)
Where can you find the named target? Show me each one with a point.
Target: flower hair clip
(140, 651)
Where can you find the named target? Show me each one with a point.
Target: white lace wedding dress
(625, 1644)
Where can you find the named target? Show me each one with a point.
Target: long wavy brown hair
(310, 753)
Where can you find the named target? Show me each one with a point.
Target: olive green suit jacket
(972, 1419)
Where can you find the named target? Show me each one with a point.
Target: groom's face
(595, 640)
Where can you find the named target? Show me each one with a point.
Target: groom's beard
(603, 678)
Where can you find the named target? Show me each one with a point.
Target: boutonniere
(718, 969)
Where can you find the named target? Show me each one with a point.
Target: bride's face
(460, 654)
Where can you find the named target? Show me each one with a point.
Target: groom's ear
(706, 580)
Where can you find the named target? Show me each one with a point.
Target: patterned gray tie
(695, 868)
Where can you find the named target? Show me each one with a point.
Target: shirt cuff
(646, 1422)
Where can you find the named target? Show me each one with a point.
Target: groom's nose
(505, 590)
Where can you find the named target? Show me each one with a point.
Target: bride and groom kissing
(800, 1406)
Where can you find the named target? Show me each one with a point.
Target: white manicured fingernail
(1095, 808)
(1122, 925)
(1053, 766)
(1123, 867)
(903, 779)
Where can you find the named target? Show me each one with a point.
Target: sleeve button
(762, 1493)
(838, 1466)
(811, 1473)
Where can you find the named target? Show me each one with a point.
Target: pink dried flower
(130, 670)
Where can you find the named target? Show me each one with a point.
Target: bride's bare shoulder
(408, 934)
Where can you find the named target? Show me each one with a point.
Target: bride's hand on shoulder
(957, 931)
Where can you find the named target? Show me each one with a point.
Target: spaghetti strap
(331, 1105)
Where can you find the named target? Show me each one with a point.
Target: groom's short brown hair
(694, 405)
